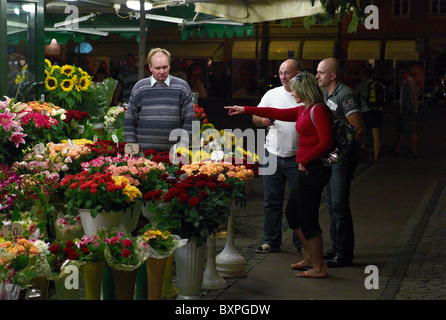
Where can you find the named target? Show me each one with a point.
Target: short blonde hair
(156, 50)
(306, 86)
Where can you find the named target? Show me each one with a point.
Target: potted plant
(101, 198)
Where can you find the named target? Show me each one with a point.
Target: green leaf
(353, 26)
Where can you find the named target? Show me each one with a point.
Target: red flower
(114, 240)
(194, 201)
(73, 255)
(85, 250)
(94, 190)
(125, 253)
(212, 186)
(70, 243)
(74, 186)
(183, 197)
(203, 195)
(127, 243)
(54, 249)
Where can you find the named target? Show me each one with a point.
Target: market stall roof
(211, 18)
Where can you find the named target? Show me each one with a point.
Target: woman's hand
(302, 168)
(235, 110)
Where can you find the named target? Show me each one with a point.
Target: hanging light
(135, 5)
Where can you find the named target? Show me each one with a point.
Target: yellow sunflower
(76, 83)
(67, 70)
(67, 85)
(84, 83)
(47, 63)
(50, 83)
(46, 73)
(54, 69)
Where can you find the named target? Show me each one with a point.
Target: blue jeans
(274, 193)
(337, 198)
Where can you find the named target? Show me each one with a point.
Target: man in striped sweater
(158, 105)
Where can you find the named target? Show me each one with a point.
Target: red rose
(200, 184)
(73, 255)
(157, 194)
(183, 197)
(74, 186)
(212, 186)
(94, 190)
(69, 243)
(125, 253)
(194, 201)
(54, 249)
(225, 186)
(85, 250)
(203, 195)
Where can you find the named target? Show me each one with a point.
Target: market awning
(401, 50)
(364, 50)
(213, 50)
(281, 50)
(318, 49)
(245, 49)
(251, 11)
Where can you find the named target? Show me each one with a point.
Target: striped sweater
(154, 111)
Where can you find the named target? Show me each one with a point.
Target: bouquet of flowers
(18, 262)
(106, 148)
(123, 251)
(98, 192)
(193, 206)
(67, 86)
(68, 227)
(92, 248)
(159, 244)
(140, 172)
(234, 175)
(27, 192)
(61, 254)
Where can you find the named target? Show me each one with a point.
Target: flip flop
(305, 274)
(297, 266)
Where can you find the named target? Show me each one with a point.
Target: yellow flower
(50, 83)
(67, 85)
(54, 69)
(47, 63)
(84, 83)
(46, 73)
(76, 83)
(18, 79)
(67, 70)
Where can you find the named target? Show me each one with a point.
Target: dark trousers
(302, 209)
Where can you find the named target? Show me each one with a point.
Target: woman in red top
(315, 140)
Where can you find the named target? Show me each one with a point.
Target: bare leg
(313, 253)
(376, 143)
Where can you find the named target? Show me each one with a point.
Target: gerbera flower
(50, 83)
(67, 85)
(67, 70)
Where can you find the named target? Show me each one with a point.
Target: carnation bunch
(123, 251)
(92, 248)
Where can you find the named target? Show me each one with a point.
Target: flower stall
(72, 198)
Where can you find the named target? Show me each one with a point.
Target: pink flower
(114, 240)
(6, 120)
(17, 138)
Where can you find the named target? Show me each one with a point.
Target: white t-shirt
(282, 137)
